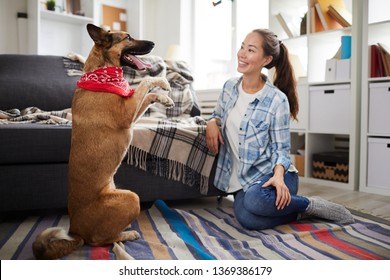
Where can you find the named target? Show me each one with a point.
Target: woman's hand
(283, 196)
(213, 136)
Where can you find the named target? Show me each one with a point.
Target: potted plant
(303, 24)
(51, 4)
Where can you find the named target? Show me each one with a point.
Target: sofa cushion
(35, 81)
(34, 143)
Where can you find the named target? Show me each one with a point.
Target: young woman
(250, 130)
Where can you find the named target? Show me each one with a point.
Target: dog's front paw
(160, 82)
(132, 235)
(165, 100)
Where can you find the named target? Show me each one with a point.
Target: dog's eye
(128, 37)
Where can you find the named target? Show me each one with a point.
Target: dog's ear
(98, 35)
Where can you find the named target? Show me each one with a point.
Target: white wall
(9, 24)
(162, 23)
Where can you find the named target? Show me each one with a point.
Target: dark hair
(284, 77)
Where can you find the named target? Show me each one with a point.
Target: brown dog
(101, 134)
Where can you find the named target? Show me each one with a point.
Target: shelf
(327, 124)
(59, 33)
(346, 30)
(66, 18)
(374, 112)
(379, 79)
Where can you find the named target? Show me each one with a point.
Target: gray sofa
(34, 157)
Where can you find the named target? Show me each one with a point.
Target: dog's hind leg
(129, 235)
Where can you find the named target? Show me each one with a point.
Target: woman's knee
(248, 220)
(258, 199)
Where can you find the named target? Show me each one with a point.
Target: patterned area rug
(213, 233)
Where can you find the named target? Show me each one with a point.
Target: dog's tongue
(138, 62)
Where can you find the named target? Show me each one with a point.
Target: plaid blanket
(176, 150)
(35, 115)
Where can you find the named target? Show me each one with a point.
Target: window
(218, 33)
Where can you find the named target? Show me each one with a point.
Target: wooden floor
(376, 205)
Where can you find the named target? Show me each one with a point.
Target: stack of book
(329, 15)
(380, 60)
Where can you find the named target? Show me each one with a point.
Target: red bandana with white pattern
(107, 79)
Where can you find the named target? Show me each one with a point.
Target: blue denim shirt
(264, 137)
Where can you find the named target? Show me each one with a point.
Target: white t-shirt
(232, 130)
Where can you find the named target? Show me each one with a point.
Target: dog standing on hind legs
(104, 109)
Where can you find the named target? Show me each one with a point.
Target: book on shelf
(321, 16)
(331, 23)
(340, 14)
(377, 65)
(374, 61)
(315, 22)
(385, 56)
(346, 46)
(290, 24)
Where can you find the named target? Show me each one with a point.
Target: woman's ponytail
(284, 77)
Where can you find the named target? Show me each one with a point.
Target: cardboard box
(299, 163)
(331, 166)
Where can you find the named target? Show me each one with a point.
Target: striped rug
(213, 233)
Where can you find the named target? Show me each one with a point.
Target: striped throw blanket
(36, 115)
(176, 150)
(213, 233)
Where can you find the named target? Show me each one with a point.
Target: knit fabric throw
(107, 79)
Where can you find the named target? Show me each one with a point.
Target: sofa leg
(219, 198)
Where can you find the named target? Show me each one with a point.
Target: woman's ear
(268, 60)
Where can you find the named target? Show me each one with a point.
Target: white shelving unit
(55, 33)
(375, 130)
(318, 129)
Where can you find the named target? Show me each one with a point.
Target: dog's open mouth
(135, 62)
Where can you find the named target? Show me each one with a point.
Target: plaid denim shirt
(264, 138)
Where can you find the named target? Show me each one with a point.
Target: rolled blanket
(36, 115)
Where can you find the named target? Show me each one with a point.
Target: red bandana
(108, 79)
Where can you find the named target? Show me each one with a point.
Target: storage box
(299, 163)
(331, 166)
(379, 104)
(343, 70)
(378, 163)
(329, 108)
(330, 71)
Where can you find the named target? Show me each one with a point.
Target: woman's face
(251, 57)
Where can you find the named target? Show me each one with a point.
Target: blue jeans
(255, 208)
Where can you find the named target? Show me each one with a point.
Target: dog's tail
(54, 243)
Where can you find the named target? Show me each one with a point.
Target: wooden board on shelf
(341, 15)
(114, 18)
